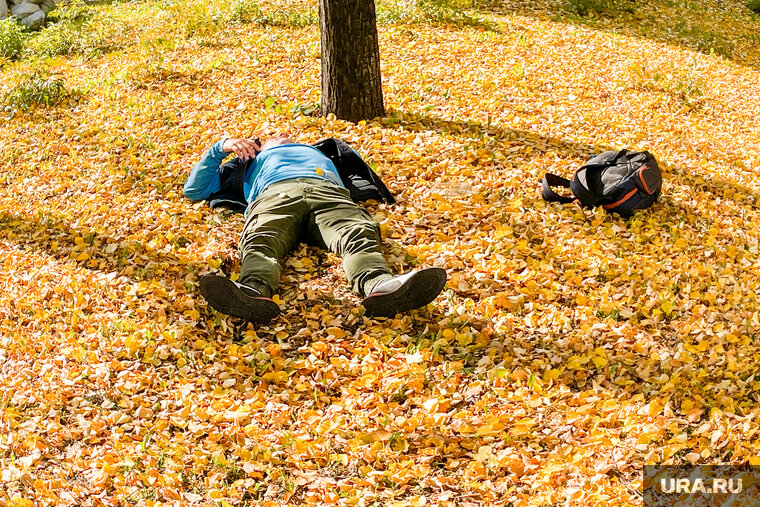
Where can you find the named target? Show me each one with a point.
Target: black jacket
(356, 175)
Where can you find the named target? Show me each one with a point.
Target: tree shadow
(90, 249)
(58, 238)
(489, 134)
(720, 188)
(416, 364)
(662, 22)
(495, 136)
(668, 210)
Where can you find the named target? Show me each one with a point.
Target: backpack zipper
(621, 201)
(643, 181)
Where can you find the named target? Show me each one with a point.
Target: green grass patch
(41, 88)
(678, 80)
(294, 18)
(452, 12)
(194, 19)
(12, 38)
(244, 11)
(609, 8)
(202, 20)
(81, 29)
(705, 39)
(249, 11)
(75, 29)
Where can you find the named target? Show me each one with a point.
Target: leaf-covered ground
(570, 347)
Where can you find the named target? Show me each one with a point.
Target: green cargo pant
(316, 212)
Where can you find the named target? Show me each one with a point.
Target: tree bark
(351, 85)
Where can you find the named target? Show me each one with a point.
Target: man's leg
(349, 231)
(272, 229)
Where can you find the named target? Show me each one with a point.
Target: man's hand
(243, 148)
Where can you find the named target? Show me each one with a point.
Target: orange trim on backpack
(621, 201)
(643, 181)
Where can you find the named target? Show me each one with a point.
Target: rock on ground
(30, 13)
(48, 5)
(34, 21)
(24, 9)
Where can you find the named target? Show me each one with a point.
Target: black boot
(238, 300)
(404, 292)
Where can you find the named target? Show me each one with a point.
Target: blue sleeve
(204, 177)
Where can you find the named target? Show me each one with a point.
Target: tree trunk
(351, 86)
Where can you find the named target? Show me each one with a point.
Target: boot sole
(226, 297)
(420, 289)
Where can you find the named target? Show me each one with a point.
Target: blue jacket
(359, 179)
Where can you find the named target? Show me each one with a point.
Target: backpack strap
(580, 185)
(606, 159)
(359, 178)
(232, 178)
(552, 180)
(240, 177)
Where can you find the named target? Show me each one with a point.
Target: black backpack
(619, 181)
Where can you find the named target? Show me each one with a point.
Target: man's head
(277, 140)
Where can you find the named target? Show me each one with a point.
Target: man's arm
(204, 177)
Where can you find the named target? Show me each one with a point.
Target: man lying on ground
(294, 193)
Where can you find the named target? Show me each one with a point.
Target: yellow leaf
(498, 372)
(430, 405)
(131, 343)
(448, 333)
(336, 332)
(502, 232)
